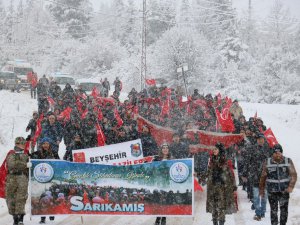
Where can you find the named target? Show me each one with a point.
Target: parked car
(87, 85)
(9, 80)
(21, 68)
(62, 79)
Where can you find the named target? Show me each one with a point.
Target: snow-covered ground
(16, 110)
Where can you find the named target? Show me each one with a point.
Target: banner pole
(81, 219)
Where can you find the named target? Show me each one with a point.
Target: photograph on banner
(126, 153)
(159, 188)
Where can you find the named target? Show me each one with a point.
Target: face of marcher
(176, 139)
(277, 155)
(51, 119)
(165, 150)
(216, 151)
(260, 141)
(21, 145)
(46, 146)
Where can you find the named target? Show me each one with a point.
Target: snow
(16, 110)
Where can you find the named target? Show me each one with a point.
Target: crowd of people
(85, 121)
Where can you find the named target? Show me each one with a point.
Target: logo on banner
(136, 150)
(179, 172)
(43, 172)
(79, 157)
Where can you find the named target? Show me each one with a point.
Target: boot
(221, 222)
(215, 222)
(16, 219)
(51, 218)
(164, 221)
(157, 221)
(21, 217)
(43, 220)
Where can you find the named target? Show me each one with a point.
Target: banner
(161, 188)
(125, 153)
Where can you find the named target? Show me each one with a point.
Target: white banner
(126, 153)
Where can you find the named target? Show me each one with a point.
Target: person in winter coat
(236, 110)
(163, 154)
(178, 149)
(118, 86)
(89, 132)
(279, 177)
(53, 130)
(254, 160)
(221, 187)
(17, 181)
(75, 145)
(32, 126)
(148, 142)
(106, 87)
(45, 152)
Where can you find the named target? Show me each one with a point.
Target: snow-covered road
(16, 110)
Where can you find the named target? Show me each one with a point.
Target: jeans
(281, 199)
(259, 203)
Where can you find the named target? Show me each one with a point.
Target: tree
(73, 15)
(160, 18)
(178, 46)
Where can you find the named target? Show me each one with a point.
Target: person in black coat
(178, 149)
(75, 145)
(148, 142)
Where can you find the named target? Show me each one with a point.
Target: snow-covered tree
(73, 15)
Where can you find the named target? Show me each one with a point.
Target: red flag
(225, 120)
(151, 82)
(100, 135)
(160, 134)
(212, 138)
(95, 93)
(165, 110)
(84, 114)
(27, 147)
(38, 130)
(3, 173)
(271, 139)
(118, 117)
(65, 115)
(98, 112)
(51, 101)
(197, 186)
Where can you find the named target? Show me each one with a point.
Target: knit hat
(277, 148)
(20, 140)
(46, 139)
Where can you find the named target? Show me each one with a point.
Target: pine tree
(73, 15)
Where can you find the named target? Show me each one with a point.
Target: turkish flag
(160, 134)
(118, 117)
(38, 130)
(66, 114)
(3, 173)
(225, 120)
(95, 93)
(212, 138)
(271, 139)
(151, 82)
(84, 114)
(100, 135)
(51, 101)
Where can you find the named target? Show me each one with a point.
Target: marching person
(280, 176)
(221, 187)
(17, 181)
(164, 154)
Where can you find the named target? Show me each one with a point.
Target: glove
(29, 164)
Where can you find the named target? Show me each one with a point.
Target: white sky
(261, 7)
